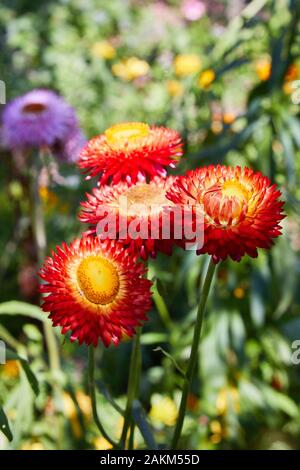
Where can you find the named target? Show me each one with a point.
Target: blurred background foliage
(225, 75)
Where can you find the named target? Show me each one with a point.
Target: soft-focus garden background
(223, 73)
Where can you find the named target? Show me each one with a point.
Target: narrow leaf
(143, 425)
(12, 356)
(14, 307)
(4, 425)
(165, 353)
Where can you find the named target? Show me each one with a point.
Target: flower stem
(40, 239)
(133, 383)
(91, 371)
(194, 353)
(159, 301)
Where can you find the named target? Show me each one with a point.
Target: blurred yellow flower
(215, 438)
(130, 69)
(288, 88)
(239, 293)
(263, 68)
(71, 414)
(175, 88)
(32, 446)
(10, 369)
(228, 399)
(100, 443)
(84, 402)
(215, 427)
(51, 202)
(218, 432)
(163, 410)
(69, 406)
(104, 50)
(186, 64)
(48, 197)
(206, 78)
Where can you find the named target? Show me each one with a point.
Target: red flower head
(131, 152)
(133, 214)
(95, 290)
(240, 208)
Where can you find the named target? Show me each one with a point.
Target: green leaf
(257, 299)
(161, 288)
(143, 425)
(217, 151)
(152, 338)
(14, 307)
(237, 329)
(7, 337)
(12, 356)
(290, 159)
(294, 127)
(104, 391)
(233, 30)
(4, 425)
(280, 401)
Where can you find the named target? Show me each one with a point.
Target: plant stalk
(194, 353)
(133, 383)
(40, 239)
(91, 372)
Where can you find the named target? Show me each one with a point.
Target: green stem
(133, 382)
(161, 308)
(91, 371)
(39, 234)
(131, 436)
(194, 354)
(159, 300)
(136, 394)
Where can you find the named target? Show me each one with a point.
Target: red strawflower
(95, 290)
(131, 152)
(240, 208)
(133, 214)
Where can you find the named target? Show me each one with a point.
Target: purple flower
(193, 10)
(37, 119)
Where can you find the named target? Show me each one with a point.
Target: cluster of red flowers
(96, 286)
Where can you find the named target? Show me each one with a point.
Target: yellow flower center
(34, 108)
(227, 203)
(235, 189)
(127, 132)
(151, 198)
(98, 280)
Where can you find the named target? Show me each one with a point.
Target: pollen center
(98, 280)
(235, 189)
(127, 132)
(34, 108)
(143, 198)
